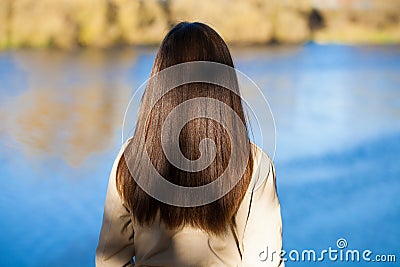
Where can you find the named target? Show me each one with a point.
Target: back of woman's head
(157, 121)
(191, 42)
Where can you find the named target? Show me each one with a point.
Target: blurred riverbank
(70, 24)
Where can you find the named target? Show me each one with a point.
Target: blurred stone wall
(105, 23)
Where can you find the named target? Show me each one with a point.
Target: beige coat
(258, 227)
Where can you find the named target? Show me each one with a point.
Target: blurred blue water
(337, 113)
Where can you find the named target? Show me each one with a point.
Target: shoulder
(113, 174)
(263, 169)
(121, 152)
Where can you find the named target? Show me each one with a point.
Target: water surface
(337, 113)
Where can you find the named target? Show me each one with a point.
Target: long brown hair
(186, 42)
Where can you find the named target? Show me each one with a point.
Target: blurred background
(330, 70)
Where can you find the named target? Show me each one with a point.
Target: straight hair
(186, 42)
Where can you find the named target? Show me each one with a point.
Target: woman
(240, 226)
